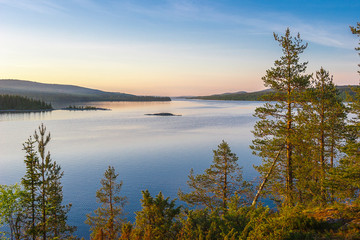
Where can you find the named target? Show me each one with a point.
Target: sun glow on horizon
(173, 48)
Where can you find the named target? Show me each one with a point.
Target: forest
(343, 92)
(306, 135)
(14, 102)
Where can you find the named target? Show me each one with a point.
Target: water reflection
(24, 116)
(149, 152)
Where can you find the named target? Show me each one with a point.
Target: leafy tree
(156, 220)
(11, 207)
(275, 129)
(218, 183)
(108, 218)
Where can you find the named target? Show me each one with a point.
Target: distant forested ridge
(66, 93)
(13, 102)
(343, 91)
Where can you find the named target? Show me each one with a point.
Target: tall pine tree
(320, 130)
(45, 214)
(347, 174)
(31, 183)
(275, 130)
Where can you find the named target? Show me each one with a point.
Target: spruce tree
(108, 218)
(275, 130)
(217, 184)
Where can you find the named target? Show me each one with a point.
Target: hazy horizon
(171, 48)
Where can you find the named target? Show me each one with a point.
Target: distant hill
(257, 96)
(237, 96)
(66, 93)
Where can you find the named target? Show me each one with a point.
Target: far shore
(25, 111)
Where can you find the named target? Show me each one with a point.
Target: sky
(171, 47)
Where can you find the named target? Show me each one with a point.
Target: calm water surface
(148, 152)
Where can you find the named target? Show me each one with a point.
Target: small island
(15, 103)
(161, 114)
(83, 108)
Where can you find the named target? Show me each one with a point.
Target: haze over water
(148, 152)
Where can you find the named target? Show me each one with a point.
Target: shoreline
(25, 111)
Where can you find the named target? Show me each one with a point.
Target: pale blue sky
(170, 47)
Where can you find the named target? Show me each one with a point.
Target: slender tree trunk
(225, 190)
(43, 206)
(112, 234)
(266, 178)
(322, 157)
(33, 210)
(289, 166)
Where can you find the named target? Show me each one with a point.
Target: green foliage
(236, 223)
(13, 102)
(108, 218)
(11, 207)
(157, 219)
(217, 184)
(289, 223)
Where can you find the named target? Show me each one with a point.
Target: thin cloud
(256, 23)
(40, 6)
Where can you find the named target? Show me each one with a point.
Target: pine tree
(45, 213)
(275, 130)
(31, 183)
(346, 177)
(108, 218)
(321, 127)
(156, 220)
(44, 166)
(218, 183)
(57, 213)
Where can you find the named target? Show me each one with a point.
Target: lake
(148, 152)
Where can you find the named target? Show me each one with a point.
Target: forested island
(309, 144)
(83, 108)
(164, 114)
(10, 103)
